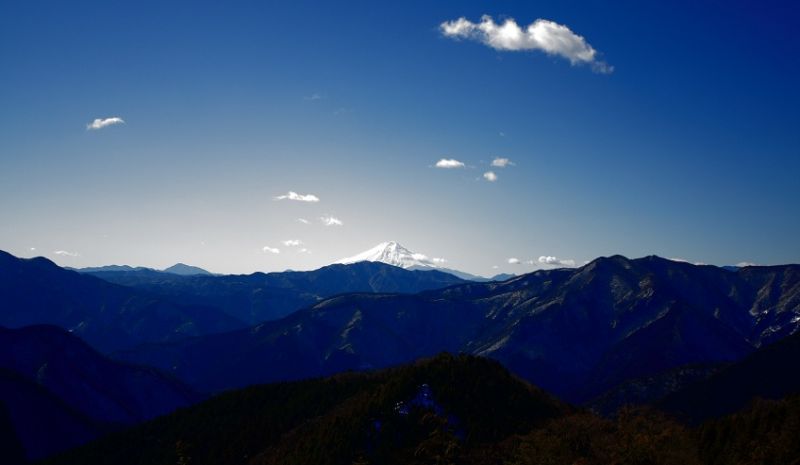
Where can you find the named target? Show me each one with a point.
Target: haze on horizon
(244, 137)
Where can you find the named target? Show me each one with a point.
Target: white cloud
(304, 250)
(490, 176)
(303, 220)
(65, 253)
(291, 195)
(550, 260)
(448, 163)
(513, 261)
(271, 249)
(314, 96)
(744, 264)
(32, 249)
(494, 267)
(438, 260)
(100, 123)
(330, 221)
(292, 242)
(544, 35)
(501, 162)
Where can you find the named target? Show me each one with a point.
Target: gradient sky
(689, 149)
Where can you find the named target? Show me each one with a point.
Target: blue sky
(688, 149)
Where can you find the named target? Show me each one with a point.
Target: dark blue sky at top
(689, 149)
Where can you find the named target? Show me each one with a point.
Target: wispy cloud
(513, 261)
(303, 220)
(551, 260)
(292, 242)
(449, 163)
(304, 250)
(543, 35)
(330, 221)
(744, 264)
(291, 195)
(314, 96)
(271, 249)
(438, 260)
(65, 253)
(490, 176)
(500, 162)
(100, 123)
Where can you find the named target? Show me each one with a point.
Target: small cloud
(271, 249)
(550, 260)
(502, 134)
(513, 261)
(745, 264)
(32, 249)
(490, 176)
(100, 123)
(303, 220)
(291, 195)
(313, 97)
(543, 35)
(65, 253)
(449, 163)
(438, 260)
(330, 221)
(292, 242)
(494, 267)
(500, 162)
(304, 250)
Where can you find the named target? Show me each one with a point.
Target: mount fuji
(392, 253)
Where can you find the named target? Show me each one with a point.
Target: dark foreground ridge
(449, 409)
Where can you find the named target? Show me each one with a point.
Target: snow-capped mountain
(395, 254)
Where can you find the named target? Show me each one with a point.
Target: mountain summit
(186, 270)
(395, 254)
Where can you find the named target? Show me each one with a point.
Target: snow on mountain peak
(395, 254)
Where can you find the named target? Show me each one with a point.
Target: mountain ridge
(107, 315)
(558, 328)
(87, 393)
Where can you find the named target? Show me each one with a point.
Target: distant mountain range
(576, 332)
(58, 392)
(178, 268)
(106, 315)
(130, 307)
(261, 297)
